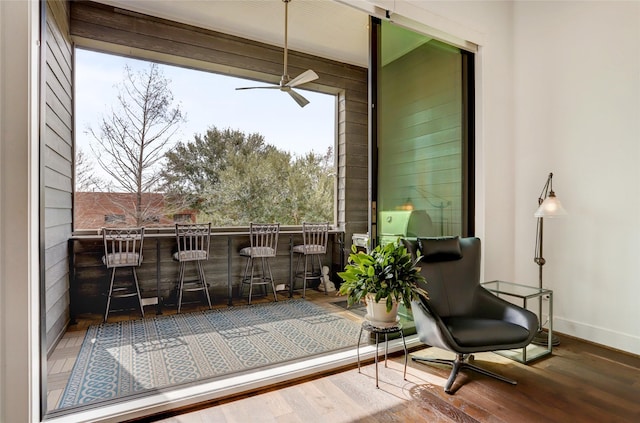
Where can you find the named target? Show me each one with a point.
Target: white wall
(559, 92)
(19, 335)
(577, 114)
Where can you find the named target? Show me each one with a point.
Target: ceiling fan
(287, 84)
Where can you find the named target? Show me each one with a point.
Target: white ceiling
(322, 28)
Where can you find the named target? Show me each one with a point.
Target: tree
(193, 168)
(233, 178)
(312, 187)
(85, 178)
(132, 140)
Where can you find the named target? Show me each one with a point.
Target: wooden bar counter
(158, 273)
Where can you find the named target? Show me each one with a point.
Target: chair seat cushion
(475, 332)
(121, 259)
(309, 249)
(258, 252)
(191, 255)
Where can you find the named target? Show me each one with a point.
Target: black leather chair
(460, 315)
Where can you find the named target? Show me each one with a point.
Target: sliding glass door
(423, 137)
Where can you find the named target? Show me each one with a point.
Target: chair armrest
(429, 327)
(494, 307)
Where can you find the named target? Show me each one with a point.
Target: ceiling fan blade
(303, 78)
(298, 98)
(253, 88)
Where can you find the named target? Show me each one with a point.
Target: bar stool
(314, 244)
(193, 246)
(264, 245)
(122, 249)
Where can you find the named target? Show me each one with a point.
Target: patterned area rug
(129, 357)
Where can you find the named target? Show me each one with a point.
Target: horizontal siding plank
(55, 180)
(57, 162)
(56, 253)
(57, 199)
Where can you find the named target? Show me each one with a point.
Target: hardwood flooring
(580, 382)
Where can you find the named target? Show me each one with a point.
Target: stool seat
(190, 255)
(310, 249)
(258, 252)
(121, 259)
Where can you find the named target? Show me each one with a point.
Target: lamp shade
(550, 207)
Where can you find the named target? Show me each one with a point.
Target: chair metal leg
(320, 271)
(264, 279)
(297, 271)
(135, 279)
(113, 274)
(243, 281)
(251, 281)
(204, 282)
(273, 286)
(180, 284)
(458, 364)
(304, 275)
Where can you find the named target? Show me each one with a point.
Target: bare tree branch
(132, 140)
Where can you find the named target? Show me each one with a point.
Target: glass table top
(515, 289)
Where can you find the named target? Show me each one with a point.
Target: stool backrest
(264, 239)
(193, 241)
(315, 236)
(122, 246)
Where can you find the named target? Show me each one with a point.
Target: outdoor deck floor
(61, 360)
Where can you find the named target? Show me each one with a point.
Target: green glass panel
(420, 136)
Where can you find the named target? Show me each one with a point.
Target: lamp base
(542, 338)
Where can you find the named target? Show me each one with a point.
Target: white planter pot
(377, 313)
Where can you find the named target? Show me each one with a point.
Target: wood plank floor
(580, 382)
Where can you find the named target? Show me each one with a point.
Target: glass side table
(525, 292)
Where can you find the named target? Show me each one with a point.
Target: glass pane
(420, 136)
(207, 153)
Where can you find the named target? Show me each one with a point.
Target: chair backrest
(315, 236)
(264, 239)
(193, 241)
(451, 267)
(122, 246)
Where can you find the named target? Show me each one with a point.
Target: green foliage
(232, 179)
(387, 271)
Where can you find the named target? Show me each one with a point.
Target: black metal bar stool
(314, 245)
(122, 249)
(264, 245)
(193, 246)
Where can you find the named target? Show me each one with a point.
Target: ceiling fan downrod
(285, 73)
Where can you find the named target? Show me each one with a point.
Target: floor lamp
(548, 206)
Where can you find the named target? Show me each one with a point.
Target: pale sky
(208, 99)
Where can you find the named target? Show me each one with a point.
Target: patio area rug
(129, 357)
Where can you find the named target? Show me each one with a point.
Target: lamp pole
(549, 206)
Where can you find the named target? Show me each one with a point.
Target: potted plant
(382, 278)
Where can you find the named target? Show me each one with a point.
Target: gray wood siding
(185, 45)
(57, 167)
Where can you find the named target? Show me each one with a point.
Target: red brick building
(94, 210)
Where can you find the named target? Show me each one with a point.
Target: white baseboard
(604, 336)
